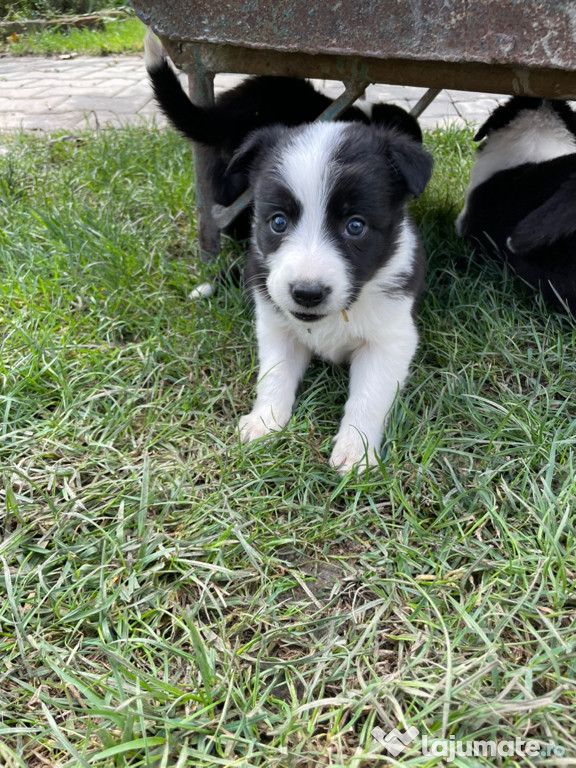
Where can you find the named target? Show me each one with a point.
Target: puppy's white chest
(332, 338)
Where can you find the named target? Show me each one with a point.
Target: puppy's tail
(193, 122)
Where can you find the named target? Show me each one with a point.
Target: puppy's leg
(377, 372)
(283, 361)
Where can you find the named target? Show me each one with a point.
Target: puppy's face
(328, 209)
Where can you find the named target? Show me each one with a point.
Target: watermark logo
(395, 741)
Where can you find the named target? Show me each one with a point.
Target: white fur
(154, 53)
(534, 136)
(203, 291)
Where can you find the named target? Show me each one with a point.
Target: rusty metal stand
(201, 89)
(425, 101)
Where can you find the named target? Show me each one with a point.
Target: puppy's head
(328, 209)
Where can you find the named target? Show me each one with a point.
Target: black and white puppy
(335, 270)
(521, 201)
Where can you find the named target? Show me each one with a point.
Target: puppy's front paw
(258, 423)
(352, 451)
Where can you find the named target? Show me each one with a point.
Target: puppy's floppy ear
(411, 164)
(249, 156)
(550, 222)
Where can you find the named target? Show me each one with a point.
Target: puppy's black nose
(309, 294)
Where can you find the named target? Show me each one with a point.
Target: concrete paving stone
(47, 103)
(458, 96)
(120, 105)
(41, 122)
(383, 94)
(7, 84)
(438, 109)
(479, 106)
(83, 75)
(10, 66)
(7, 76)
(72, 69)
(104, 87)
(406, 92)
(40, 85)
(115, 85)
(138, 89)
(30, 94)
(151, 112)
(101, 119)
(126, 68)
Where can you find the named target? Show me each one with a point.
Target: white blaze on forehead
(306, 165)
(308, 253)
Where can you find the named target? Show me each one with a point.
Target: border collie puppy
(254, 103)
(335, 270)
(521, 201)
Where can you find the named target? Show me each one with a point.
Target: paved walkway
(51, 94)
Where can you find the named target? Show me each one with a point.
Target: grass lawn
(172, 598)
(120, 35)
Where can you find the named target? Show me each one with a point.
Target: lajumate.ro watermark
(396, 741)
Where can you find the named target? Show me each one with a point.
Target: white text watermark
(396, 741)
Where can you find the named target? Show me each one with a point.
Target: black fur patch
(526, 216)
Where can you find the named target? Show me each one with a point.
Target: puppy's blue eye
(355, 227)
(278, 223)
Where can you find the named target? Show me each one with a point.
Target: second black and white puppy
(521, 201)
(335, 270)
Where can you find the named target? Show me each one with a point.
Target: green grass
(172, 598)
(33, 9)
(117, 36)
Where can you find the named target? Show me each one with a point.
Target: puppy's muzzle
(309, 295)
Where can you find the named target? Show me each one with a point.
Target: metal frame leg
(425, 101)
(201, 90)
